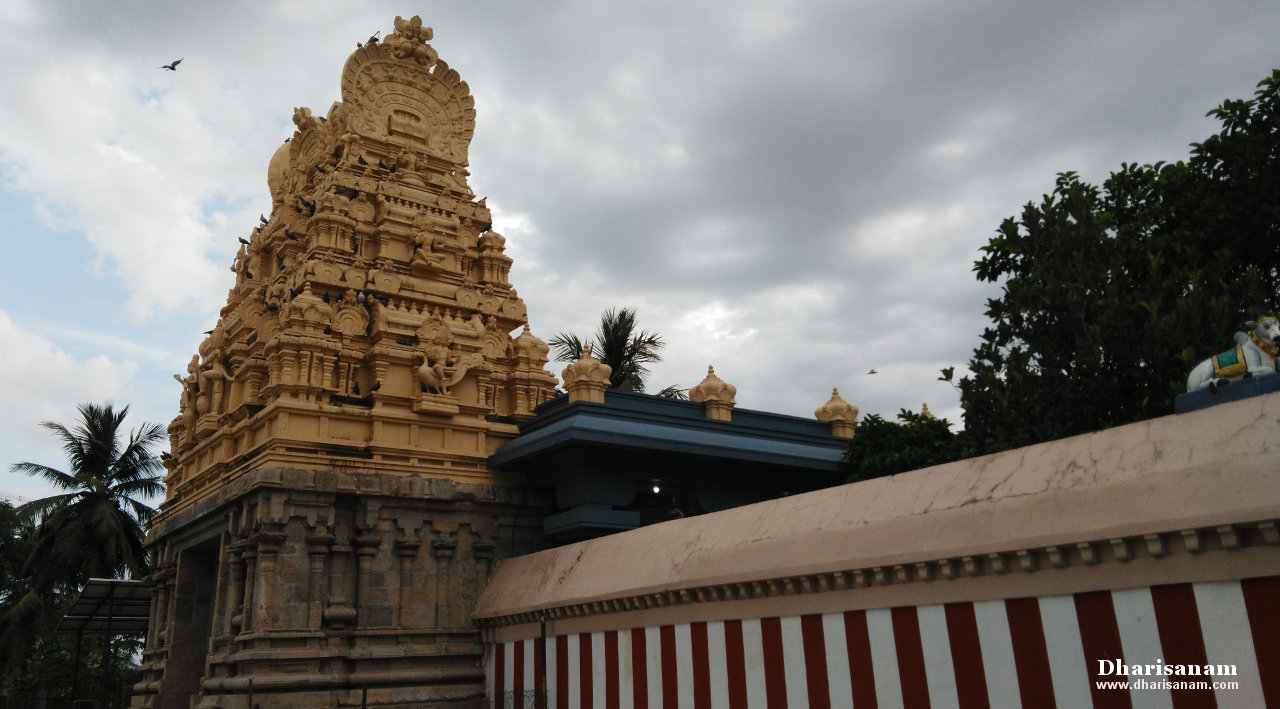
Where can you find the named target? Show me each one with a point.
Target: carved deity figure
(406, 162)
(240, 266)
(190, 390)
(431, 371)
(424, 253)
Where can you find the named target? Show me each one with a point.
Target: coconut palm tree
(618, 345)
(96, 527)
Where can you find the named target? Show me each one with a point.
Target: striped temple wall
(1034, 652)
(995, 582)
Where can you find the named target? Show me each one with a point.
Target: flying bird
(873, 372)
(171, 67)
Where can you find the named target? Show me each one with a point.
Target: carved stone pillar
(159, 625)
(366, 550)
(250, 556)
(340, 613)
(406, 551)
(482, 551)
(443, 548)
(318, 545)
(235, 593)
(266, 587)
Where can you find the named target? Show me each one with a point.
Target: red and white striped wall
(1032, 652)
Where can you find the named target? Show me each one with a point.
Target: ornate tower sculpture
(330, 517)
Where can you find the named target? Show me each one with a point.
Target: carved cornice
(1096, 553)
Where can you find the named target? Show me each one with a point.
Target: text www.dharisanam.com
(1158, 684)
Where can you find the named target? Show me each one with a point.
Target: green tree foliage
(1111, 294)
(15, 545)
(49, 666)
(881, 447)
(618, 344)
(94, 529)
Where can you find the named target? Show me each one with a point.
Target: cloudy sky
(794, 191)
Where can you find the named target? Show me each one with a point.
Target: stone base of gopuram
(307, 588)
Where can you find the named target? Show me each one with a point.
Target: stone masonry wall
(327, 589)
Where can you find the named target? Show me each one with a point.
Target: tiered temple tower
(330, 517)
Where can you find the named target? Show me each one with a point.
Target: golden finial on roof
(842, 415)
(587, 378)
(716, 394)
(409, 41)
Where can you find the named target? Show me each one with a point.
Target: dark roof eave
(597, 426)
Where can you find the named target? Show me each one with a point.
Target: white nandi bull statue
(1254, 353)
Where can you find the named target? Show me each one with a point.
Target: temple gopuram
(330, 517)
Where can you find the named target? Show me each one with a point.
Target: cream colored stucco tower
(330, 517)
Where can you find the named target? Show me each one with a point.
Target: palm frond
(53, 476)
(617, 344)
(565, 347)
(674, 392)
(36, 511)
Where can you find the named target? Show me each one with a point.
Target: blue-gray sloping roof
(649, 424)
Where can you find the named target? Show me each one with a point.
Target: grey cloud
(797, 191)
